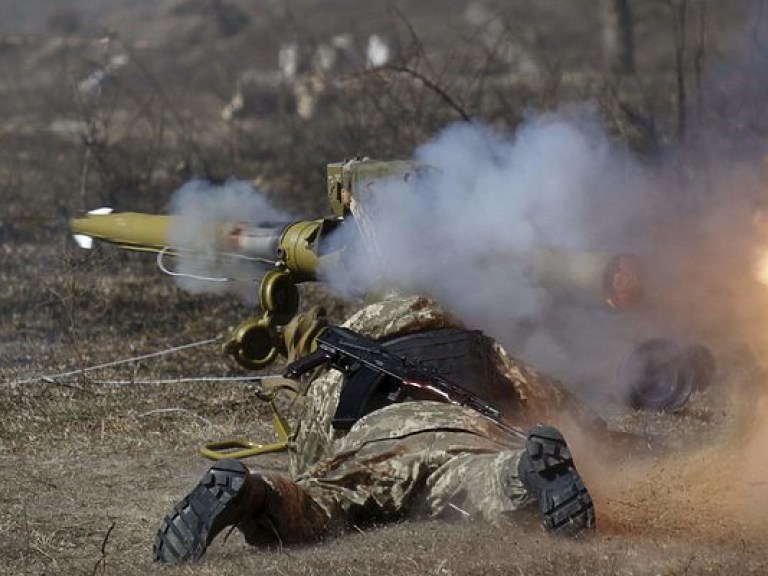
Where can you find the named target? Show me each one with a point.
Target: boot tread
(547, 471)
(194, 521)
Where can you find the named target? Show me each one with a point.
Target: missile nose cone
(130, 230)
(101, 211)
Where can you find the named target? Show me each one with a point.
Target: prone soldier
(416, 458)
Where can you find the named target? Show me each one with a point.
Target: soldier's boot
(547, 471)
(225, 495)
(264, 508)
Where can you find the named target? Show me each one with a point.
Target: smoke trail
(198, 206)
(469, 233)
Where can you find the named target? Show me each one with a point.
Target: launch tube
(294, 244)
(255, 241)
(604, 279)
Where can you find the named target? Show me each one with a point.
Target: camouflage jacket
(540, 397)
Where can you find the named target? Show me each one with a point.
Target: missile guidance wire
(175, 253)
(189, 380)
(62, 375)
(170, 272)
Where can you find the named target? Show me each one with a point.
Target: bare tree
(680, 15)
(618, 42)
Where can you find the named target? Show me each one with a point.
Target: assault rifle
(376, 377)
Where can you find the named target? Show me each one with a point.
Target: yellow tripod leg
(241, 448)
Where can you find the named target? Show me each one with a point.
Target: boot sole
(564, 501)
(187, 531)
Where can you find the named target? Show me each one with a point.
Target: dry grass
(87, 470)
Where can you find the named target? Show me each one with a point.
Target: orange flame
(761, 269)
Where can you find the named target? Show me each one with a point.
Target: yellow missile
(131, 230)
(294, 245)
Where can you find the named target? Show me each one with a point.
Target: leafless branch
(101, 563)
(434, 87)
(680, 16)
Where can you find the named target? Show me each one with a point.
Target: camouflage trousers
(418, 459)
(409, 460)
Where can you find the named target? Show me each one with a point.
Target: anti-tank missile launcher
(279, 255)
(286, 253)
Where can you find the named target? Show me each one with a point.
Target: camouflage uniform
(458, 458)
(540, 398)
(417, 458)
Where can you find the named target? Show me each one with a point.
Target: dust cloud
(470, 233)
(715, 491)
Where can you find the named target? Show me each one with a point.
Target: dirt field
(90, 463)
(89, 470)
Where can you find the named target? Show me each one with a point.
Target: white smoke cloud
(468, 232)
(197, 207)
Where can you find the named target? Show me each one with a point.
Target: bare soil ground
(88, 467)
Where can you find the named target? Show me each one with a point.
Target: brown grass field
(88, 467)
